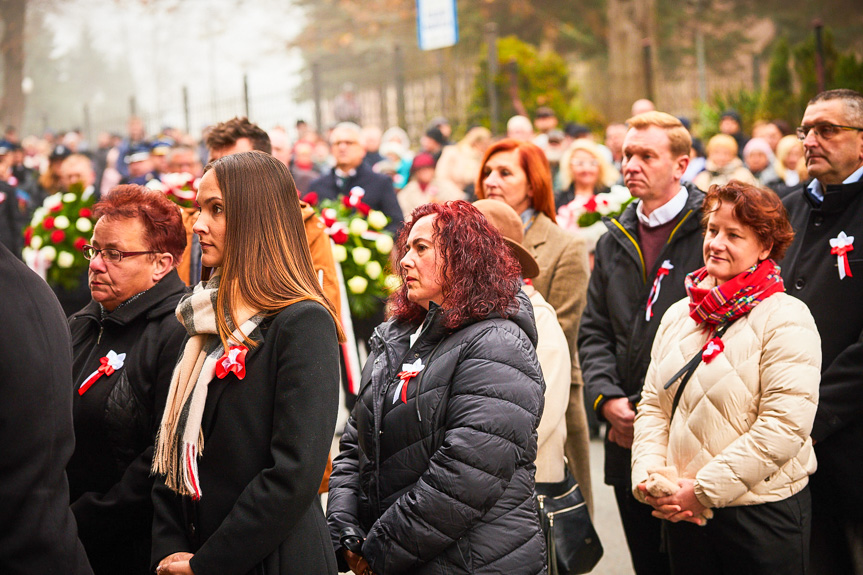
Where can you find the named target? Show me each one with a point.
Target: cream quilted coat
(741, 429)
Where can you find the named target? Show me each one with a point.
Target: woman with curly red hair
(436, 469)
(722, 448)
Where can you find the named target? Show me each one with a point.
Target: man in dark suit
(39, 533)
(351, 173)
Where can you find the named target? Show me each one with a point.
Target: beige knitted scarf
(180, 440)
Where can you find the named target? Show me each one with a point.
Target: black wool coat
(811, 274)
(116, 421)
(38, 533)
(266, 442)
(379, 192)
(444, 483)
(615, 337)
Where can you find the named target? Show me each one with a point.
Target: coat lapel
(217, 386)
(537, 235)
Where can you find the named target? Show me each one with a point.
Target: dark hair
(535, 166)
(758, 209)
(163, 225)
(225, 135)
(480, 274)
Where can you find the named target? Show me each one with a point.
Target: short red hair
(758, 209)
(163, 225)
(481, 275)
(536, 168)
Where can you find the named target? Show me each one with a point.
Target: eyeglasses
(345, 143)
(109, 255)
(823, 131)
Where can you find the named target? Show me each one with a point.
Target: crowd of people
(175, 413)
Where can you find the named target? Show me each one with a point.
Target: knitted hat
(436, 135)
(422, 160)
(759, 145)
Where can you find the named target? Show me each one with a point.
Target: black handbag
(571, 541)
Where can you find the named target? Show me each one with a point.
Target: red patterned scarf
(736, 297)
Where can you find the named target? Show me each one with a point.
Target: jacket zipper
(376, 391)
(638, 324)
(637, 248)
(89, 357)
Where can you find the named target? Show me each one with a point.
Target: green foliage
(533, 77)
(848, 72)
(777, 103)
(782, 101)
(583, 113)
(804, 66)
(745, 102)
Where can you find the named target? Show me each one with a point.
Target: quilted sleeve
(790, 369)
(650, 441)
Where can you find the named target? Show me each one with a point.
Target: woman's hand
(357, 564)
(175, 564)
(682, 506)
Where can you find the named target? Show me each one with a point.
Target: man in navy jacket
(351, 173)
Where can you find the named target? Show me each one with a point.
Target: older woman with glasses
(125, 343)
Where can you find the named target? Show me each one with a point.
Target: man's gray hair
(350, 126)
(852, 100)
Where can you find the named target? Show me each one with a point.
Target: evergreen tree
(777, 103)
(848, 73)
(805, 68)
(526, 80)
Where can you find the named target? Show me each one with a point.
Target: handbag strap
(687, 370)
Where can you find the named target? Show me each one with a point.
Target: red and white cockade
(840, 246)
(664, 270)
(711, 349)
(234, 361)
(109, 364)
(408, 372)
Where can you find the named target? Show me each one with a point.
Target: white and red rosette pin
(234, 361)
(109, 364)
(408, 372)
(663, 271)
(711, 349)
(840, 246)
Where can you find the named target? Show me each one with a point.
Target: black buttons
(799, 283)
(817, 221)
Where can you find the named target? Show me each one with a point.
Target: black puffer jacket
(115, 422)
(615, 338)
(444, 482)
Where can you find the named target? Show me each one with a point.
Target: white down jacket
(741, 429)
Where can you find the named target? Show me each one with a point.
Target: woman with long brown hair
(252, 405)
